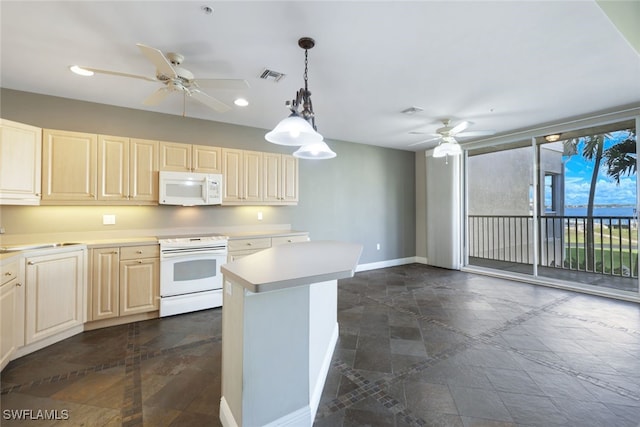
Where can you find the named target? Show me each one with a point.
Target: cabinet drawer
(282, 240)
(135, 252)
(245, 244)
(9, 272)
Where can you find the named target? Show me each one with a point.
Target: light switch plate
(108, 219)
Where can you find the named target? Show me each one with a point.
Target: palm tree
(620, 160)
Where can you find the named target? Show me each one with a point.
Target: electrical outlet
(377, 246)
(259, 216)
(2, 230)
(108, 219)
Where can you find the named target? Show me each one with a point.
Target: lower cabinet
(11, 311)
(54, 294)
(124, 281)
(239, 248)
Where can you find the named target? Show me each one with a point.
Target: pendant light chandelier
(299, 129)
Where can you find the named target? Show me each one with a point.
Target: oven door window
(189, 270)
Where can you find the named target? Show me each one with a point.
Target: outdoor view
(586, 207)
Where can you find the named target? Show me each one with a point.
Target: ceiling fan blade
(460, 127)
(163, 65)
(423, 142)
(117, 73)
(476, 133)
(157, 97)
(235, 84)
(209, 101)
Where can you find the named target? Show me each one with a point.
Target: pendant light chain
(306, 67)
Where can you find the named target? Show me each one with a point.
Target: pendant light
(299, 129)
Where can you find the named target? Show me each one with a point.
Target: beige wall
(365, 195)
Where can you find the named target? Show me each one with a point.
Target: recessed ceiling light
(207, 10)
(241, 102)
(81, 71)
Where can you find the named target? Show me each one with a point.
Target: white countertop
(294, 264)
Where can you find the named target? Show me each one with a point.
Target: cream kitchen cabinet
(190, 158)
(139, 279)
(69, 172)
(127, 170)
(242, 171)
(241, 247)
(105, 279)
(124, 281)
(11, 310)
(20, 163)
(280, 179)
(55, 291)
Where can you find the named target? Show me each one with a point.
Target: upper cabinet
(69, 162)
(189, 158)
(20, 163)
(242, 171)
(280, 179)
(83, 168)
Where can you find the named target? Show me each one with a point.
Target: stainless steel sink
(10, 249)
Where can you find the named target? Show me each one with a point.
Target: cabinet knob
(290, 241)
(139, 262)
(249, 244)
(18, 284)
(114, 253)
(138, 252)
(30, 263)
(8, 273)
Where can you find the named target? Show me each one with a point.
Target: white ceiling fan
(448, 132)
(174, 78)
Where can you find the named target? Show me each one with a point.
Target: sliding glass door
(560, 208)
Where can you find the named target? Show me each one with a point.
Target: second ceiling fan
(447, 133)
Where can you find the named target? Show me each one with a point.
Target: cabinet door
(206, 159)
(252, 163)
(289, 179)
(139, 286)
(20, 163)
(143, 170)
(54, 294)
(271, 181)
(105, 279)
(175, 157)
(69, 166)
(113, 168)
(11, 314)
(232, 169)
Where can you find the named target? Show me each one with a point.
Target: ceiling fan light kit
(299, 129)
(447, 149)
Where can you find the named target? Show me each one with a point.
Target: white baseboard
(301, 417)
(226, 416)
(316, 393)
(387, 263)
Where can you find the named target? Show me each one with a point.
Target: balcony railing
(563, 242)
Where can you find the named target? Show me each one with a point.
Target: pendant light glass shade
(447, 149)
(294, 130)
(316, 150)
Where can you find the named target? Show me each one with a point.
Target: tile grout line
(131, 411)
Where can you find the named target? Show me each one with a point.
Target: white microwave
(190, 188)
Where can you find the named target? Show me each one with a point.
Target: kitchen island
(279, 330)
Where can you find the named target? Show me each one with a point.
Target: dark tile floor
(419, 346)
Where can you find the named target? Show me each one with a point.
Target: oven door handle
(192, 252)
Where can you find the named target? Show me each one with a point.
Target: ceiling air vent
(271, 75)
(412, 110)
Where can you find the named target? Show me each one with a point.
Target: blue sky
(578, 180)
